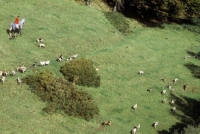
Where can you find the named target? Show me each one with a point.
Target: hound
(155, 124)
(106, 123)
(33, 65)
(3, 79)
(39, 40)
(47, 62)
(41, 45)
(175, 80)
(163, 92)
(13, 73)
(134, 107)
(18, 80)
(141, 72)
(42, 63)
(164, 101)
(60, 58)
(133, 131)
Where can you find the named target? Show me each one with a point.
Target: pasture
(70, 28)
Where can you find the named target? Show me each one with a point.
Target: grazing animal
(3, 79)
(141, 72)
(39, 40)
(97, 69)
(133, 131)
(185, 86)
(155, 124)
(175, 80)
(41, 45)
(18, 80)
(33, 65)
(134, 107)
(164, 100)
(106, 123)
(13, 31)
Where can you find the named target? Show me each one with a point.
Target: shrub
(81, 72)
(61, 95)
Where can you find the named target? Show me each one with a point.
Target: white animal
(174, 109)
(138, 127)
(41, 45)
(47, 62)
(155, 124)
(69, 59)
(74, 56)
(18, 80)
(5, 73)
(172, 101)
(163, 92)
(164, 101)
(97, 69)
(175, 80)
(60, 58)
(42, 63)
(141, 72)
(3, 79)
(39, 40)
(13, 72)
(134, 106)
(169, 86)
(133, 131)
(1, 73)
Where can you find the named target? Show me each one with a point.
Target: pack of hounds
(23, 68)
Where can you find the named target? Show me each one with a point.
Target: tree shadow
(188, 112)
(195, 70)
(195, 55)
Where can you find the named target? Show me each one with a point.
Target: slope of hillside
(69, 28)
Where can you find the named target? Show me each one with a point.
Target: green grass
(69, 28)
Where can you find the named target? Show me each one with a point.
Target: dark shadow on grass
(195, 55)
(188, 112)
(118, 21)
(195, 70)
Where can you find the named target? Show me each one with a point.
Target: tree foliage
(81, 72)
(61, 95)
(166, 10)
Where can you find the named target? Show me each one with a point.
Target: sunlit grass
(68, 28)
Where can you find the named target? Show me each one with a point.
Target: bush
(81, 72)
(61, 95)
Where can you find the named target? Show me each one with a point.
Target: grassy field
(69, 28)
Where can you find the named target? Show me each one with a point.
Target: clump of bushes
(119, 22)
(82, 72)
(61, 95)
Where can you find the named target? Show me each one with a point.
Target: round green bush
(61, 95)
(81, 72)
